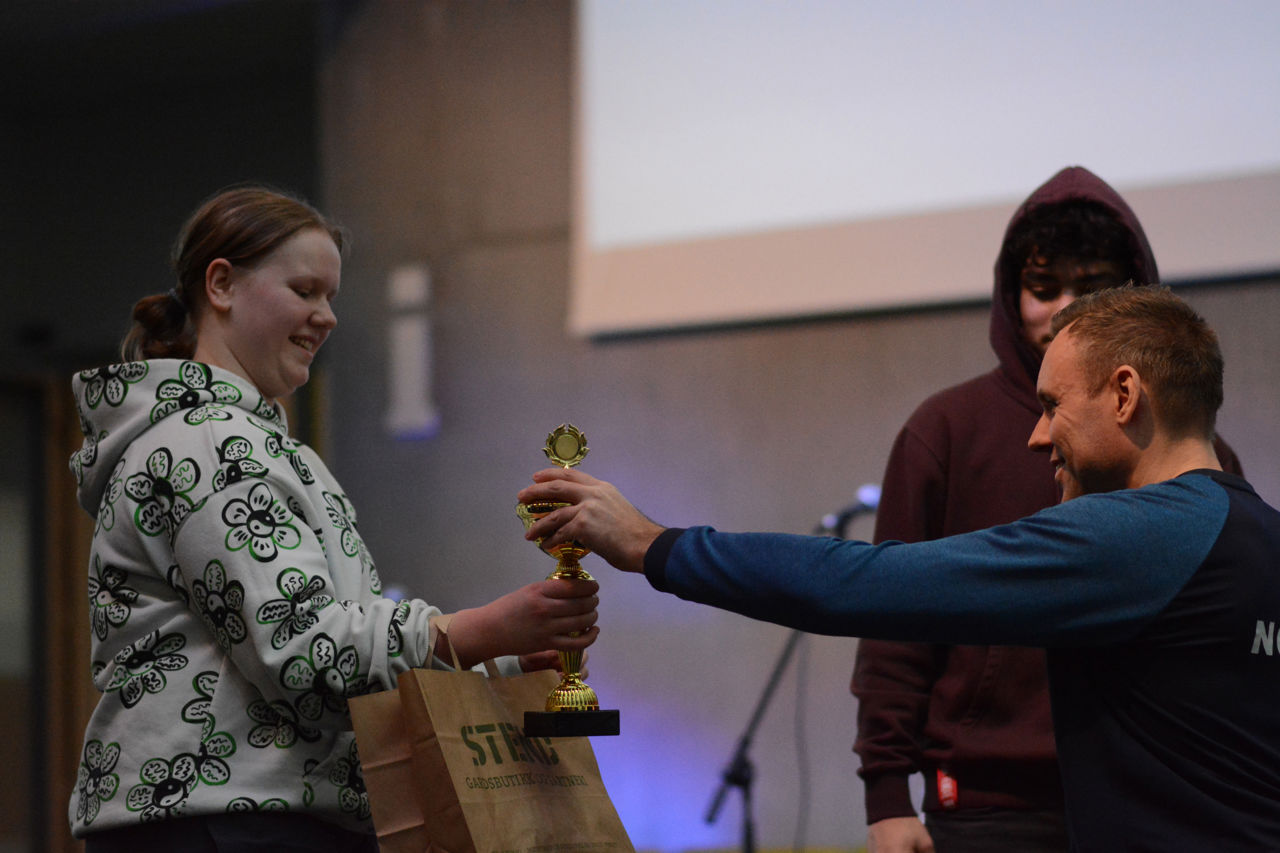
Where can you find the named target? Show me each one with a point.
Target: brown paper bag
(382, 740)
(484, 787)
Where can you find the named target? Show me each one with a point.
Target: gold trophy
(572, 708)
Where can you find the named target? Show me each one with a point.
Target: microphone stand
(740, 772)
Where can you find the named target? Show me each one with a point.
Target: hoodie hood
(1019, 360)
(120, 402)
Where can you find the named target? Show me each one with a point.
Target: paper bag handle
(441, 624)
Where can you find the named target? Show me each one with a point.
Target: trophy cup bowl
(567, 554)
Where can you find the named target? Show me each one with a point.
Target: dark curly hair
(1072, 229)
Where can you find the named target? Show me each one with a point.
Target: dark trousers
(261, 832)
(997, 831)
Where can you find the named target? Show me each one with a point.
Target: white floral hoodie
(234, 606)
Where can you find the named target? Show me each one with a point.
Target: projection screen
(742, 161)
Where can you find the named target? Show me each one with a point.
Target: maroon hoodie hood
(1019, 360)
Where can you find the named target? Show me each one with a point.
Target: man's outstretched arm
(1080, 573)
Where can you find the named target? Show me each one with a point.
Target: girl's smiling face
(270, 318)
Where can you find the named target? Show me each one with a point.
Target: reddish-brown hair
(241, 225)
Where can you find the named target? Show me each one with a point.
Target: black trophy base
(570, 723)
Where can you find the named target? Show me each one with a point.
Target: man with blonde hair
(1155, 586)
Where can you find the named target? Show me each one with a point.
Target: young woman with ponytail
(235, 607)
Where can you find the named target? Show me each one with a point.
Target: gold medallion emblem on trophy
(572, 707)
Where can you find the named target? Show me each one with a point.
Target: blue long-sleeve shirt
(1158, 606)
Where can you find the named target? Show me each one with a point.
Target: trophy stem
(572, 693)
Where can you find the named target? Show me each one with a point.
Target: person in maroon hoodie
(975, 720)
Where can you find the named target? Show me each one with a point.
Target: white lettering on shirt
(1264, 638)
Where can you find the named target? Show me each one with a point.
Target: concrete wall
(445, 131)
